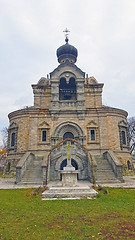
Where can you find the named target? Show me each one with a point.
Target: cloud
(31, 31)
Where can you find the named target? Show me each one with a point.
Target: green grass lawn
(24, 216)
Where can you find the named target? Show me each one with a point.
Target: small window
(128, 164)
(123, 138)
(12, 139)
(92, 135)
(43, 136)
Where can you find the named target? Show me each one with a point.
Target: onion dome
(67, 51)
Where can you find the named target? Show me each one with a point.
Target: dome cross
(66, 31)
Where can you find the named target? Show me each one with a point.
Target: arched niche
(67, 88)
(71, 127)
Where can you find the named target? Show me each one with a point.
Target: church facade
(68, 107)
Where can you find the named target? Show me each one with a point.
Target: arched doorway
(64, 164)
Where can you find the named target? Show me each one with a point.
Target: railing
(115, 164)
(46, 168)
(44, 171)
(94, 168)
(22, 165)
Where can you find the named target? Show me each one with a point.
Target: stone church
(68, 108)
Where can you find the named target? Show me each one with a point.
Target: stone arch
(76, 158)
(64, 163)
(67, 75)
(56, 166)
(58, 155)
(72, 127)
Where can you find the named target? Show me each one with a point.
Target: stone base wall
(124, 157)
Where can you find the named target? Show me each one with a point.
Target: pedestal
(69, 176)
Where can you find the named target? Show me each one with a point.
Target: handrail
(92, 163)
(94, 169)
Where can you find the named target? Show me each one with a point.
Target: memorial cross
(68, 154)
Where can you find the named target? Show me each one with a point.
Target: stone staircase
(33, 173)
(104, 173)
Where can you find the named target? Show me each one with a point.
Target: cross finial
(66, 31)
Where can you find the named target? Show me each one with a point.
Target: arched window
(12, 139)
(67, 91)
(123, 137)
(63, 84)
(72, 84)
(68, 135)
(128, 164)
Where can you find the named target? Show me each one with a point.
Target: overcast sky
(103, 31)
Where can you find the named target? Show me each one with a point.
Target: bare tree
(131, 131)
(4, 132)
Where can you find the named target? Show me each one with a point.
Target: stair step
(106, 176)
(69, 192)
(106, 182)
(104, 171)
(30, 183)
(51, 195)
(68, 189)
(33, 173)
